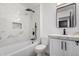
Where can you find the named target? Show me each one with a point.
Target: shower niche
(17, 25)
(66, 15)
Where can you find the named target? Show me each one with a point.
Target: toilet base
(41, 54)
(40, 50)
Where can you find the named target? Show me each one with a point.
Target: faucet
(64, 32)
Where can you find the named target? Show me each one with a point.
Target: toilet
(40, 50)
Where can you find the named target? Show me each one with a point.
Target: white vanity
(63, 45)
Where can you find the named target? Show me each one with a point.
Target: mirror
(66, 16)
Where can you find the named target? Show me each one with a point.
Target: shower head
(28, 9)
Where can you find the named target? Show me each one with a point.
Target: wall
(47, 21)
(10, 13)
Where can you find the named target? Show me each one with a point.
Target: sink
(58, 36)
(74, 37)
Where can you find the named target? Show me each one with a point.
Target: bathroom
(28, 29)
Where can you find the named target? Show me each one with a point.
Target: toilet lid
(40, 47)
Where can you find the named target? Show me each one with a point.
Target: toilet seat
(40, 49)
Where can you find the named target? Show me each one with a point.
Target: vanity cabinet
(56, 47)
(63, 48)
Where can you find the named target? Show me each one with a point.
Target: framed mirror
(66, 16)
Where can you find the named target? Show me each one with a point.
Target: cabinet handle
(62, 45)
(65, 46)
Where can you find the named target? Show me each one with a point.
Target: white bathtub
(25, 48)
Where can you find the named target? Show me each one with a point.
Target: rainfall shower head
(28, 9)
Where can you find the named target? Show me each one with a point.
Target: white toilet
(40, 49)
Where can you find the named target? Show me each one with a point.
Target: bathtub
(22, 48)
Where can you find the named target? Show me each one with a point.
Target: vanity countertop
(64, 37)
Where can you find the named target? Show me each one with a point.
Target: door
(67, 48)
(72, 48)
(56, 47)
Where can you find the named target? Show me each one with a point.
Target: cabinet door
(56, 47)
(73, 48)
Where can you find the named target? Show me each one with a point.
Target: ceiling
(31, 5)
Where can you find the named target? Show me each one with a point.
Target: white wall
(11, 13)
(47, 21)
